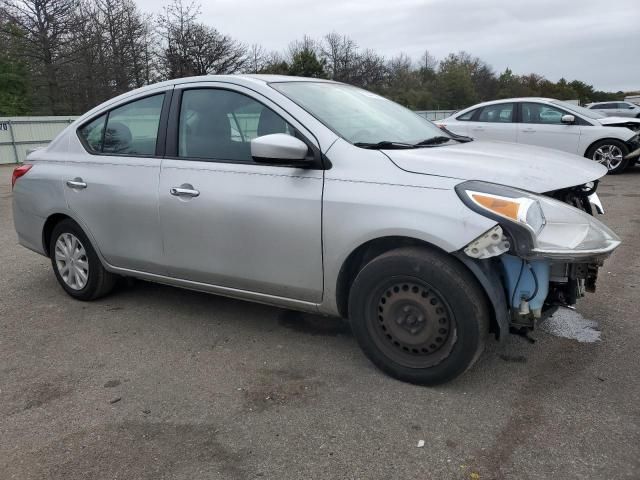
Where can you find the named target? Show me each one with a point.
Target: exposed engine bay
(530, 300)
(535, 284)
(634, 126)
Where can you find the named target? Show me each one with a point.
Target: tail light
(18, 172)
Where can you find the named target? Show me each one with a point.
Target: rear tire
(419, 315)
(76, 264)
(609, 153)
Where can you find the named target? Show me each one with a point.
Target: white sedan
(612, 141)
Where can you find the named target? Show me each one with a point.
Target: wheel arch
(367, 251)
(47, 229)
(599, 140)
(56, 217)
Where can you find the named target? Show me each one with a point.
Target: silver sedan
(317, 196)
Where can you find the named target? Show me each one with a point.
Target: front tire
(76, 264)
(609, 153)
(419, 315)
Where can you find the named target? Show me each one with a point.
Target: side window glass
(133, 128)
(541, 113)
(498, 113)
(220, 124)
(92, 133)
(466, 116)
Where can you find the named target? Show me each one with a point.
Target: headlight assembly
(539, 226)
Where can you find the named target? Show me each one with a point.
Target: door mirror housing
(568, 119)
(281, 149)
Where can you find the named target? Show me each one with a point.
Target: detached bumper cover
(634, 147)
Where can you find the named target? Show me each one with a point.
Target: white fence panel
(21, 134)
(435, 114)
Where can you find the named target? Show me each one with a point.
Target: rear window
(92, 134)
(498, 113)
(131, 129)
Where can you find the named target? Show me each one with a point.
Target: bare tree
(192, 48)
(45, 27)
(307, 44)
(257, 58)
(341, 55)
(371, 70)
(175, 28)
(214, 53)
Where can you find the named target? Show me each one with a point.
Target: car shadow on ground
(507, 361)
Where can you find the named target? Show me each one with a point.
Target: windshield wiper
(385, 144)
(439, 139)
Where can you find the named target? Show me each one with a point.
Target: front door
(230, 222)
(541, 124)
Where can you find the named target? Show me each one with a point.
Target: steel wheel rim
(608, 155)
(71, 261)
(412, 323)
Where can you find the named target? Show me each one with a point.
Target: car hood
(530, 168)
(618, 120)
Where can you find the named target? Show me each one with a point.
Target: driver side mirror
(281, 149)
(568, 119)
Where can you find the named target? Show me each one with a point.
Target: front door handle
(76, 183)
(528, 130)
(183, 192)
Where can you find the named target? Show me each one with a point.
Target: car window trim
(165, 102)
(171, 144)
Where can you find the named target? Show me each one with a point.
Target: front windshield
(359, 116)
(578, 109)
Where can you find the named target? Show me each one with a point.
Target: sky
(595, 41)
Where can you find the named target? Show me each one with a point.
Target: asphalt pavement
(154, 382)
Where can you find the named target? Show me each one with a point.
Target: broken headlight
(539, 226)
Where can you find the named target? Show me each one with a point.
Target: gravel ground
(154, 382)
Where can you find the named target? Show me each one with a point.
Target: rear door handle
(76, 183)
(183, 192)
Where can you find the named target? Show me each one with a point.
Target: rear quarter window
(465, 117)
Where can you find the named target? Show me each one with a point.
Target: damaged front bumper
(539, 261)
(634, 149)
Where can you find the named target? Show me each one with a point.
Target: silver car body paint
(272, 234)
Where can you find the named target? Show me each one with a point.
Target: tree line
(62, 57)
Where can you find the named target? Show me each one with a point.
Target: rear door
(541, 124)
(244, 226)
(494, 122)
(111, 181)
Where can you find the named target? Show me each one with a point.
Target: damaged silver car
(318, 196)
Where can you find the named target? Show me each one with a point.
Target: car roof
(515, 99)
(246, 80)
(241, 79)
